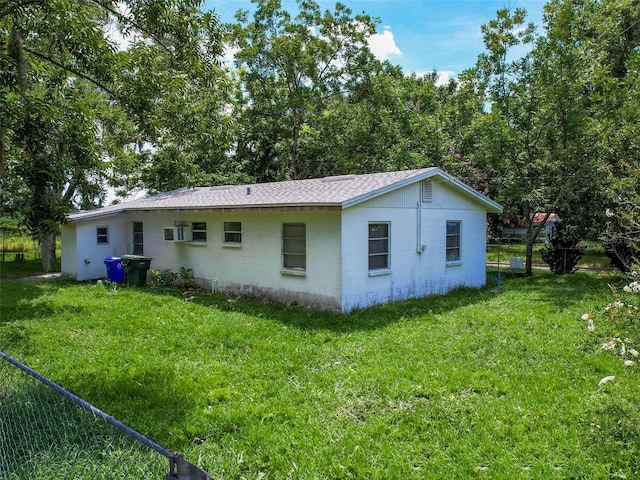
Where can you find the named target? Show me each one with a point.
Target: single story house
(336, 243)
(518, 231)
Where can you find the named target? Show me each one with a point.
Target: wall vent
(427, 191)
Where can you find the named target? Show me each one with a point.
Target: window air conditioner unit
(176, 234)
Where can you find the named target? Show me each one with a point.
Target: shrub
(563, 253)
(186, 275)
(622, 253)
(163, 278)
(619, 320)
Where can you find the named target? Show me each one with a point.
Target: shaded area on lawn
(22, 268)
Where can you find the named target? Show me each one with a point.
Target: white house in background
(518, 231)
(335, 243)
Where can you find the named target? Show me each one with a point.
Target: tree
(613, 39)
(534, 136)
(562, 253)
(289, 69)
(62, 73)
(510, 134)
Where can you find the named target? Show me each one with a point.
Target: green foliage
(556, 130)
(562, 134)
(616, 327)
(186, 276)
(623, 253)
(562, 252)
(437, 387)
(621, 236)
(73, 105)
(289, 69)
(163, 278)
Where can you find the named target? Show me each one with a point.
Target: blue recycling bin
(115, 271)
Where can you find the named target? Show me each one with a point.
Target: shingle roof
(340, 191)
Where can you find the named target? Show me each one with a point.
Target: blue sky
(419, 35)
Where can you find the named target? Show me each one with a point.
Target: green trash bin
(136, 268)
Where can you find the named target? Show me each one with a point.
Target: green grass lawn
(474, 384)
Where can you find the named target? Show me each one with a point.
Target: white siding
(252, 268)
(337, 275)
(82, 256)
(412, 274)
(68, 253)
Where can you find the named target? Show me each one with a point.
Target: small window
(453, 241)
(378, 246)
(199, 231)
(232, 232)
(294, 246)
(102, 235)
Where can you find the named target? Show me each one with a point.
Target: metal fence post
(180, 469)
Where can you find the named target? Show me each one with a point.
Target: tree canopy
(72, 101)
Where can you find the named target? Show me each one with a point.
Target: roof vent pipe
(248, 190)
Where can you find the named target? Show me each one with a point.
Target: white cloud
(229, 54)
(113, 35)
(443, 76)
(382, 45)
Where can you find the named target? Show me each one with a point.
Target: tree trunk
(2, 164)
(532, 232)
(47, 245)
(529, 255)
(294, 150)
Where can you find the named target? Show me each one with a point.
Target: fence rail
(48, 432)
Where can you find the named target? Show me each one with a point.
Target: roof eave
(82, 216)
(390, 188)
(230, 207)
(490, 205)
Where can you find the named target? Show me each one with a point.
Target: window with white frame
(453, 241)
(379, 246)
(233, 232)
(294, 246)
(199, 231)
(102, 235)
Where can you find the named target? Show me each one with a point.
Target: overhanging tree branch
(137, 26)
(71, 70)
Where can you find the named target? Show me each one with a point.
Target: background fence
(17, 244)
(49, 433)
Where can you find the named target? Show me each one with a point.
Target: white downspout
(419, 245)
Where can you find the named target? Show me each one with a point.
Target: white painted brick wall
(412, 274)
(255, 267)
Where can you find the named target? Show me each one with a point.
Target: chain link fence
(49, 433)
